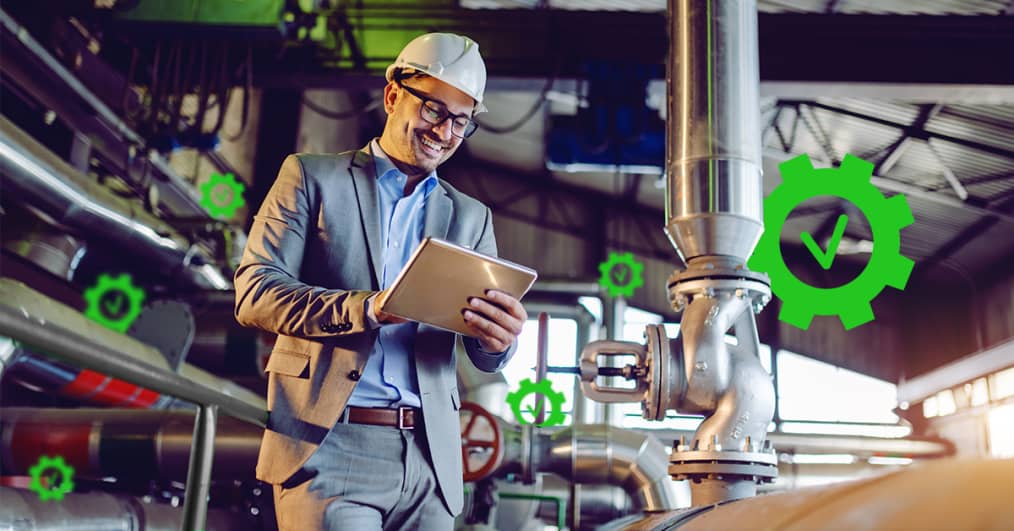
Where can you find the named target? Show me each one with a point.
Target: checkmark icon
(535, 413)
(222, 195)
(826, 258)
(620, 274)
(113, 304)
(52, 479)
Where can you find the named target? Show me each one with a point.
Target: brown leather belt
(403, 418)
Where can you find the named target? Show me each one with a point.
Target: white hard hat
(451, 58)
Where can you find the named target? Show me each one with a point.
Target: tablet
(440, 277)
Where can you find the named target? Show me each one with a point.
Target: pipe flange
(760, 467)
(652, 407)
(683, 292)
(739, 272)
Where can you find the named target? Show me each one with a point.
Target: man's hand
(378, 310)
(496, 321)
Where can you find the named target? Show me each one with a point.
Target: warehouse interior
(704, 398)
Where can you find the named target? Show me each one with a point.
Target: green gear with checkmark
(621, 274)
(887, 267)
(114, 302)
(222, 195)
(544, 388)
(49, 467)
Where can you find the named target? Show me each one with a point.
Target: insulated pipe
(713, 159)
(130, 445)
(946, 494)
(603, 454)
(111, 129)
(47, 182)
(65, 334)
(24, 509)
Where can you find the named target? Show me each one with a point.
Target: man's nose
(443, 130)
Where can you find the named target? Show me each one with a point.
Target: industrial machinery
(714, 220)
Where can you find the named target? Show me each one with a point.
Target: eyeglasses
(435, 112)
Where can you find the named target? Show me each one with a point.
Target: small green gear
(46, 466)
(630, 274)
(544, 388)
(222, 195)
(114, 302)
(886, 216)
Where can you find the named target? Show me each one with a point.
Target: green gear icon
(886, 216)
(222, 195)
(47, 466)
(630, 274)
(114, 302)
(544, 388)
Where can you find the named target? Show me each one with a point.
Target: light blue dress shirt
(388, 379)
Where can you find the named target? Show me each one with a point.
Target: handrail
(66, 345)
(60, 342)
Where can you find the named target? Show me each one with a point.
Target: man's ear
(390, 96)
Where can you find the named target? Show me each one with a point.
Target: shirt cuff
(371, 318)
(478, 347)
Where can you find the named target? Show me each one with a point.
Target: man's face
(408, 138)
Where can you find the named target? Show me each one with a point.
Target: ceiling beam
(526, 43)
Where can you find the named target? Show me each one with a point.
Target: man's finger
(509, 303)
(494, 313)
(487, 331)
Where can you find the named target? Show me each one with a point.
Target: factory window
(811, 390)
(1002, 384)
(1001, 431)
(562, 352)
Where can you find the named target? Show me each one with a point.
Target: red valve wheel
(481, 442)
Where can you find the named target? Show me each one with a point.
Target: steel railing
(45, 336)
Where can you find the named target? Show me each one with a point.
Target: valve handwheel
(481, 442)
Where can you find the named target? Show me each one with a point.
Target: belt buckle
(401, 418)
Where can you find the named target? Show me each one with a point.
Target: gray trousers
(366, 478)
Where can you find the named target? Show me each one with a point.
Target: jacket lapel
(438, 213)
(364, 179)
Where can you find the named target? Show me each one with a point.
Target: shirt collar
(387, 170)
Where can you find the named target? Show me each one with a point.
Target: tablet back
(436, 283)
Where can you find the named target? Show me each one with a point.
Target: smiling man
(363, 430)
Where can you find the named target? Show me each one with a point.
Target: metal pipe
(96, 441)
(560, 504)
(195, 504)
(713, 186)
(32, 171)
(734, 389)
(603, 454)
(923, 497)
(84, 350)
(109, 120)
(24, 509)
(574, 287)
(21, 300)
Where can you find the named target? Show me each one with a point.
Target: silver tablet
(440, 277)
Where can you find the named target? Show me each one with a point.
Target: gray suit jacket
(312, 259)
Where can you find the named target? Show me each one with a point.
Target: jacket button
(354, 375)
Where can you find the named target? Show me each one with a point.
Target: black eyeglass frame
(469, 129)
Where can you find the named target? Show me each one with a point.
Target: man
(364, 431)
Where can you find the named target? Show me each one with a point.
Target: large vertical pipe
(713, 158)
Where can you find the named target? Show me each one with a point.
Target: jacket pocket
(288, 363)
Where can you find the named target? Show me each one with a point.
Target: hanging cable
(500, 130)
(247, 89)
(341, 115)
